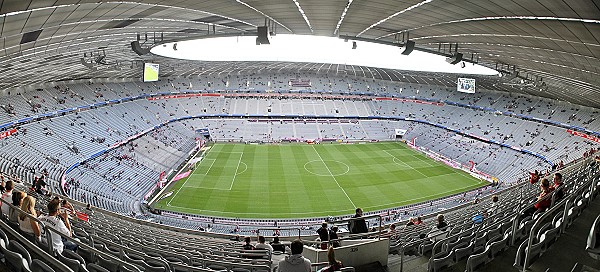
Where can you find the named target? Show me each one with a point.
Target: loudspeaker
(137, 48)
(454, 59)
(409, 46)
(263, 35)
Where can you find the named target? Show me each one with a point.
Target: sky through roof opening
(315, 49)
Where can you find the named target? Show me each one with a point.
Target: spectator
(261, 244)
(60, 223)
(392, 232)
(88, 209)
(295, 262)
(333, 236)
(411, 222)
(67, 207)
(323, 235)
(334, 265)
(441, 224)
(17, 200)
(534, 177)
(358, 224)
(29, 227)
(277, 245)
(2, 183)
(40, 185)
(542, 203)
(7, 197)
(494, 206)
(558, 186)
(247, 245)
(419, 221)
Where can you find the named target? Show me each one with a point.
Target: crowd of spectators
(23, 212)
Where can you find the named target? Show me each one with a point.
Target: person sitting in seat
(28, 226)
(544, 204)
(441, 223)
(7, 197)
(494, 207)
(17, 201)
(58, 221)
(534, 177)
(558, 182)
(392, 232)
(334, 265)
(277, 245)
(261, 244)
(541, 203)
(333, 236)
(247, 245)
(295, 262)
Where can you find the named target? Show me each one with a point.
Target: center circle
(326, 168)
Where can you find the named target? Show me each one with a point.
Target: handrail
(476, 229)
(567, 202)
(360, 235)
(516, 220)
(126, 250)
(31, 217)
(46, 230)
(90, 248)
(47, 258)
(461, 206)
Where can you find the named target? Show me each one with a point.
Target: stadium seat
(463, 252)
(593, 241)
(40, 266)
(535, 252)
(550, 237)
(216, 267)
(130, 268)
(499, 246)
(425, 247)
(172, 258)
(476, 261)
(71, 263)
(18, 248)
(106, 263)
(96, 268)
(437, 264)
(16, 261)
(73, 255)
(87, 255)
(3, 239)
(479, 243)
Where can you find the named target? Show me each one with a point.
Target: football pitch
(302, 181)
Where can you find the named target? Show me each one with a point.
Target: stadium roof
(553, 45)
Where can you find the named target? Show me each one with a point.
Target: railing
(33, 248)
(565, 204)
(49, 252)
(402, 246)
(567, 172)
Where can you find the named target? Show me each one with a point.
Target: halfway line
(330, 173)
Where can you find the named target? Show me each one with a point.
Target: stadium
(398, 135)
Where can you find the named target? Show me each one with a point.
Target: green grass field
(301, 180)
